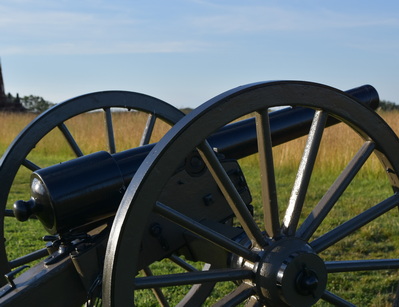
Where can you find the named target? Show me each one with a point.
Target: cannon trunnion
(190, 199)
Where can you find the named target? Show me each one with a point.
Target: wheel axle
(290, 273)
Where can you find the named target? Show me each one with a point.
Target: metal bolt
(155, 230)
(307, 282)
(208, 199)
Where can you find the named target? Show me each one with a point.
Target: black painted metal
(96, 182)
(192, 278)
(73, 193)
(288, 265)
(99, 180)
(46, 286)
(15, 155)
(239, 139)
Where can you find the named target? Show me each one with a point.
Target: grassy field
(379, 239)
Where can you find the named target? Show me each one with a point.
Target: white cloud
(98, 27)
(259, 18)
(93, 48)
(97, 30)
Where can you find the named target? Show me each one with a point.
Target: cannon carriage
(114, 217)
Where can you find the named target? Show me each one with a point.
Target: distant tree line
(186, 110)
(32, 103)
(388, 106)
(38, 104)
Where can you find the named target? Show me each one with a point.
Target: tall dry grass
(338, 147)
(88, 130)
(339, 143)
(11, 125)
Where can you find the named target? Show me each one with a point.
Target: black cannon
(112, 216)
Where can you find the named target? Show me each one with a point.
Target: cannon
(190, 202)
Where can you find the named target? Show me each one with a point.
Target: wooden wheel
(20, 156)
(288, 251)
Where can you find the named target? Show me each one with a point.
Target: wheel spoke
(335, 300)
(239, 295)
(268, 183)
(354, 224)
(198, 293)
(149, 127)
(30, 165)
(204, 232)
(183, 264)
(327, 202)
(110, 130)
(304, 174)
(157, 291)
(361, 265)
(71, 141)
(231, 194)
(191, 278)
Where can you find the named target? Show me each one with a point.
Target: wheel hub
(290, 273)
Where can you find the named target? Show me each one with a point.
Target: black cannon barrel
(239, 139)
(89, 189)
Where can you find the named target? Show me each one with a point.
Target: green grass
(375, 241)
(379, 239)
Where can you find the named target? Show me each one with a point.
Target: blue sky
(186, 52)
